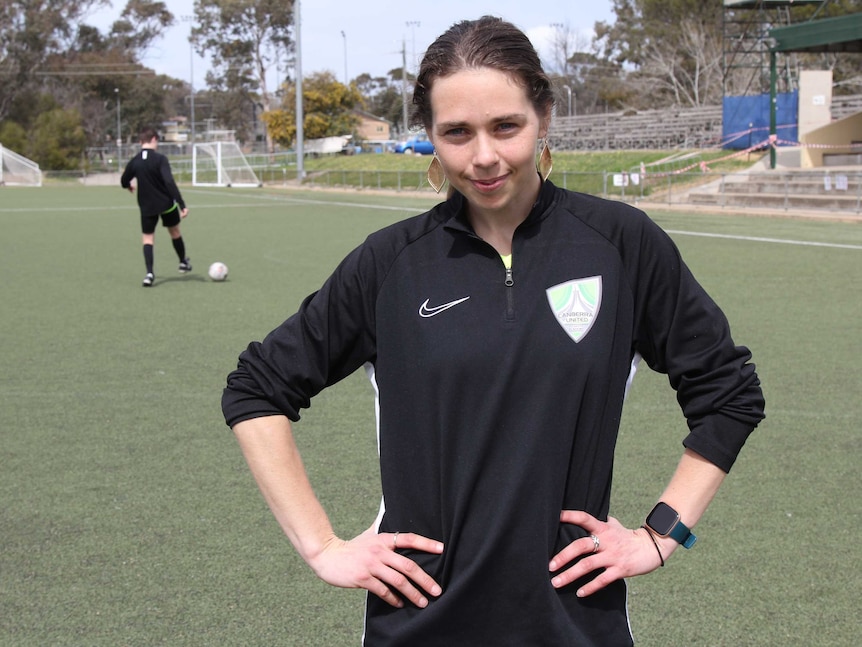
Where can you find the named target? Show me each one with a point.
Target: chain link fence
(829, 190)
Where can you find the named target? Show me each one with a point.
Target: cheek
(521, 153)
(453, 158)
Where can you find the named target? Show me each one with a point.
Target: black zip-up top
(500, 396)
(157, 190)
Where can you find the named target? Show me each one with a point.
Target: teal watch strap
(682, 534)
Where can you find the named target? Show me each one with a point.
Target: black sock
(180, 248)
(148, 258)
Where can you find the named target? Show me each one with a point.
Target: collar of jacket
(455, 208)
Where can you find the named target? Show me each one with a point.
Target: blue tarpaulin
(745, 120)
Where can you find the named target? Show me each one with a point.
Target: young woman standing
(500, 331)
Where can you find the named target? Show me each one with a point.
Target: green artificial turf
(128, 517)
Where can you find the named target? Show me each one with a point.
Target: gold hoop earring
(436, 175)
(546, 163)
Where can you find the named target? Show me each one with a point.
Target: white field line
(417, 210)
(759, 239)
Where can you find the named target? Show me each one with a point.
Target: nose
(484, 151)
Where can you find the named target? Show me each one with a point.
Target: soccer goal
(221, 164)
(17, 170)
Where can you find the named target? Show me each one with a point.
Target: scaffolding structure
(746, 44)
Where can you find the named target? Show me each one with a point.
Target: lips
(490, 185)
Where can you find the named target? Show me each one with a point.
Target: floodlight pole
(413, 24)
(119, 135)
(190, 19)
(300, 143)
(344, 37)
(404, 84)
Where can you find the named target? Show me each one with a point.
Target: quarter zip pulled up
(510, 294)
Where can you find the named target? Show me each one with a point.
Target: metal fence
(837, 191)
(827, 190)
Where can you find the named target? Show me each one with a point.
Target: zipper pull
(510, 280)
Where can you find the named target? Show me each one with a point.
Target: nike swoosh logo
(425, 311)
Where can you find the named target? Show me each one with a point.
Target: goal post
(221, 164)
(17, 170)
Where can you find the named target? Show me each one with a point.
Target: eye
(506, 127)
(455, 132)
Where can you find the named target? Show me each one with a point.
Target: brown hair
(486, 42)
(147, 134)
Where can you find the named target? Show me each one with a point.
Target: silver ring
(595, 543)
(395, 541)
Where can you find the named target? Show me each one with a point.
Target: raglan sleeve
(128, 174)
(170, 183)
(682, 332)
(329, 337)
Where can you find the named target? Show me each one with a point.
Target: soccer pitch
(128, 516)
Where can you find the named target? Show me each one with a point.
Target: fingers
(579, 547)
(416, 542)
(405, 575)
(408, 579)
(580, 518)
(371, 561)
(614, 550)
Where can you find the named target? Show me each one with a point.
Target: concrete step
(832, 202)
(794, 186)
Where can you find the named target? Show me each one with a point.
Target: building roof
(368, 115)
(838, 34)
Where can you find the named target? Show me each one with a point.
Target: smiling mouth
(490, 184)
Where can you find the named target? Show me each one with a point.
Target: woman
(499, 330)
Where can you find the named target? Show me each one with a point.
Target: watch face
(662, 519)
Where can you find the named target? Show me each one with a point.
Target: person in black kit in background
(158, 197)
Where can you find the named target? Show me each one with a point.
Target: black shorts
(170, 218)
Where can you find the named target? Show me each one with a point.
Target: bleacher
(670, 128)
(648, 129)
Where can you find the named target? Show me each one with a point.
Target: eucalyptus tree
(671, 51)
(31, 31)
(245, 39)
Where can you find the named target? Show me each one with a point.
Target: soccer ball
(218, 271)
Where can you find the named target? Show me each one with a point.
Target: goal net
(221, 164)
(17, 170)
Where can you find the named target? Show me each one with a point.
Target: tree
(672, 50)
(381, 95)
(327, 110)
(78, 67)
(691, 74)
(141, 22)
(30, 32)
(575, 67)
(58, 141)
(244, 38)
(13, 136)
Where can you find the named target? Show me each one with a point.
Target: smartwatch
(664, 521)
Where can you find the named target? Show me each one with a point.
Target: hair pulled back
(487, 42)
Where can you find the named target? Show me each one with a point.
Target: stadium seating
(670, 128)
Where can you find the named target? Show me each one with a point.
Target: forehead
(475, 93)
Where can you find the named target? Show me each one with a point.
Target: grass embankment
(591, 172)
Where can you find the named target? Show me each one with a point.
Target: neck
(497, 227)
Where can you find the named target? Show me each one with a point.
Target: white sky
(375, 31)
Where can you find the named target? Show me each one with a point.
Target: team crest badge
(575, 304)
